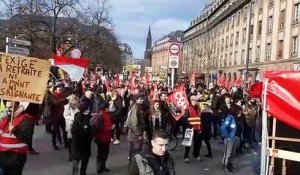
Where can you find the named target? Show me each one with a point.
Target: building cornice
(224, 15)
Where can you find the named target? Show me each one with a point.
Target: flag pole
(264, 137)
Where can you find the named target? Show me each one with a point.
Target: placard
(23, 78)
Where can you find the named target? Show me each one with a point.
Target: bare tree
(65, 24)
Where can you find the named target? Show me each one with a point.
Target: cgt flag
(283, 97)
(178, 102)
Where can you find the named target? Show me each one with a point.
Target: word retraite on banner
(23, 78)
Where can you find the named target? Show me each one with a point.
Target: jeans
(231, 146)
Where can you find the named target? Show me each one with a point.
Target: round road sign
(174, 49)
(174, 63)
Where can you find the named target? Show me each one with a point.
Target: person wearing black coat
(206, 120)
(81, 140)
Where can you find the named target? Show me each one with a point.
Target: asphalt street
(50, 162)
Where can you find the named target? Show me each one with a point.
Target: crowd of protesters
(76, 113)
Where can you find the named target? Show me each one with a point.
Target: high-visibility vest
(194, 118)
(8, 141)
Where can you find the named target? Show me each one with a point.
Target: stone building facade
(160, 53)
(230, 32)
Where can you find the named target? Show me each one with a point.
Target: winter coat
(69, 115)
(228, 127)
(57, 110)
(151, 164)
(206, 120)
(250, 115)
(81, 137)
(103, 135)
(135, 122)
(119, 113)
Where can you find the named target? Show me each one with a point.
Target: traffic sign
(174, 49)
(17, 41)
(17, 50)
(174, 61)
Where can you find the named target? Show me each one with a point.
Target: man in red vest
(15, 135)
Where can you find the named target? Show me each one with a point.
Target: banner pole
(264, 131)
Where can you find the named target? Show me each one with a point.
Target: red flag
(283, 96)
(256, 90)
(238, 82)
(221, 81)
(193, 80)
(178, 102)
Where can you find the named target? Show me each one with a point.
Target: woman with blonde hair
(70, 110)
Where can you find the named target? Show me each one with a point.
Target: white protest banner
(23, 78)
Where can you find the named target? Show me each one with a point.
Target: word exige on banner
(23, 78)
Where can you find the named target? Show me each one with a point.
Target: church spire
(148, 44)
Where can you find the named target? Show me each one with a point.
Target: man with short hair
(156, 161)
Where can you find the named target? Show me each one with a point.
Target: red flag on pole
(178, 102)
(283, 96)
(193, 80)
(256, 90)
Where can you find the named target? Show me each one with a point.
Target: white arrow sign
(17, 50)
(17, 41)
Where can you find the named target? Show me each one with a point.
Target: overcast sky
(133, 17)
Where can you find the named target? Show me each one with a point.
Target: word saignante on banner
(178, 102)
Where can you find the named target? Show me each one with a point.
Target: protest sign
(23, 78)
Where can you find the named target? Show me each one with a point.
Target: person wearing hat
(81, 140)
(192, 120)
(136, 125)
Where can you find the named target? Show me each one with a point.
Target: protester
(206, 121)
(231, 130)
(156, 161)
(69, 114)
(103, 130)
(81, 140)
(136, 125)
(193, 121)
(14, 138)
(57, 112)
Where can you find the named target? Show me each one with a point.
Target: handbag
(188, 137)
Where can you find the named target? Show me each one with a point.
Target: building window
(245, 13)
(282, 19)
(268, 53)
(259, 28)
(257, 59)
(280, 50)
(250, 55)
(244, 35)
(237, 38)
(231, 40)
(296, 13)
(232, 21)
(251, 32)
(270, 24)
(243, 57)
(294, 46)
(235, 58)
(238, 18)
(226, 42)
